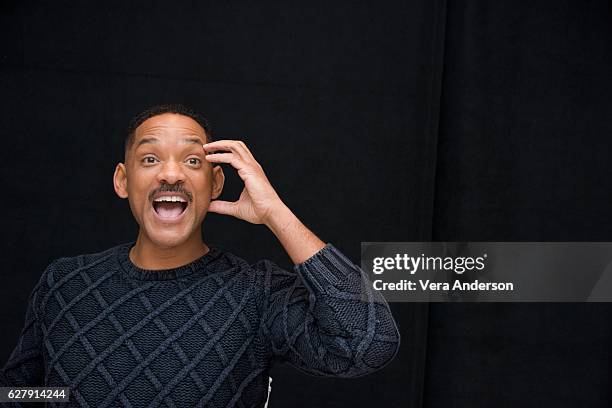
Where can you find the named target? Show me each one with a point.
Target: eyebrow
(153, 140)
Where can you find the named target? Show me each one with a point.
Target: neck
(146, 254)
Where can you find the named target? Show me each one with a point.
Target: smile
(170, 207)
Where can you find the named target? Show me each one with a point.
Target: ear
(217, 181)
(120, 180)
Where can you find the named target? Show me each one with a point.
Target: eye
(148, 160)
(194, 161)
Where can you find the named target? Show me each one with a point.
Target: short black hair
(160, 110)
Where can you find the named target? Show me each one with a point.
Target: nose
(171, 173)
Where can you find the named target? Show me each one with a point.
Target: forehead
(169, 124)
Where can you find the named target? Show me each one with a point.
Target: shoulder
(259, 272)
(65, 267)
(228, 260)
(62, 270)
(258, 266)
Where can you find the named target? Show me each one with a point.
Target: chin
(168, 239)
(169, 243)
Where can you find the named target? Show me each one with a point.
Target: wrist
(279, 218)
(299, 242)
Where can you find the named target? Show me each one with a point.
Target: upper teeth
(170, 198)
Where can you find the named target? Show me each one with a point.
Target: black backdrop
(522, 155)
(375, 122)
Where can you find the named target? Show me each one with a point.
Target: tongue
(169, 210)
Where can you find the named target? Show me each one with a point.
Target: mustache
(173, 188)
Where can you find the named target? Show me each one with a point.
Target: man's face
(166, 179)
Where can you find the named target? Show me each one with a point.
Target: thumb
(223, 207)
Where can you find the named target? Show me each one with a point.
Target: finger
(235, 146)
(223, 207)
(221, 157)
(240, 146)
(242, 156)
(231, 158)
(221, 145)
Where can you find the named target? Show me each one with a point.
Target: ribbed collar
(135, 272)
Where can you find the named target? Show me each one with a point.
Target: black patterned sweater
(203, 334)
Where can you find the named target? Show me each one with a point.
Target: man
(169, 320)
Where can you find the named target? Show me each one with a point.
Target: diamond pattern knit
(203, 334)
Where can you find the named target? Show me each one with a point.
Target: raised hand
(258, 199)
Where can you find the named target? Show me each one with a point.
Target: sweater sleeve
(325, 319)
(25, 366)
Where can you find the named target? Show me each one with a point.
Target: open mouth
(170, 207)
